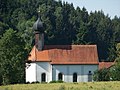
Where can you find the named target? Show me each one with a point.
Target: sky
(110, 7)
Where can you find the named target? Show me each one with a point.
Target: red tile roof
(105, 64)
(66, 54)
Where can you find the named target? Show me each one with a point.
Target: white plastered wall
(68, 70)
(44, 67)
(31, 73)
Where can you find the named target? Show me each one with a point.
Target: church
(69, 63)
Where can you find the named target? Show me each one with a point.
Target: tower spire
(39, 33)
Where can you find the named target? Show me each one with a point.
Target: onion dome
(38, 25)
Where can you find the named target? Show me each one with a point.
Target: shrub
(35, 82)
(101, 75)
(32, 82)
(27, 82)
(52, 82)
(115, 72)
(59, 81)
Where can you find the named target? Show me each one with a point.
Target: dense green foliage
(111, 73)
(63, 24)
(115, 70)
(12, 58)
(108, 74)
(101, 75)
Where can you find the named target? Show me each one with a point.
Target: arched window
(43, 77)
(74, 77)
(60, 76)
(89, 76)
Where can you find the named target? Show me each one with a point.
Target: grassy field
(65, 86)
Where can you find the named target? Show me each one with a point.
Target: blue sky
(110, 7)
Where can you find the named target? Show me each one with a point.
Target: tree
(116, 28)
(3, 27)
(101, 75)
(115, 70)
(12, 58)
(63, 24)
(26, 32)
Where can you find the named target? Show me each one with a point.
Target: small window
(89, 76)
(60, 76)
(89, 72)
(43, 77)
(74, 77)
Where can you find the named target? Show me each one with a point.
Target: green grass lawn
(65, 86)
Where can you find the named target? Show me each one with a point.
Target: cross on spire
(39, 12)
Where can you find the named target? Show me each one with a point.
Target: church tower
(39, 33)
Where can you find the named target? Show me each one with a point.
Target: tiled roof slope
(105, 64)
(66, 54)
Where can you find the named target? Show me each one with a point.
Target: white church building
(69, 63)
